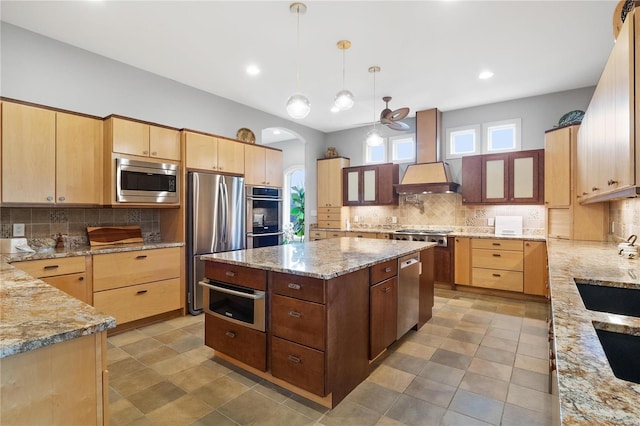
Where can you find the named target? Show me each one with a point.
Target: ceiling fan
(391, 118)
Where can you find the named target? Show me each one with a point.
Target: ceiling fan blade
(398, 114)
(397, 125)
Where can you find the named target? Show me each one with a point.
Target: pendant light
(344, 98)
(298, 106)
(373, 137)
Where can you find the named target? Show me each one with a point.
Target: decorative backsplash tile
(624, 218)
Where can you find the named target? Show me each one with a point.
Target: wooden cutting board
(103, 235)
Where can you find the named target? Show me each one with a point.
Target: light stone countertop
(324, 259)
(589, 392)
(524, 237)
(34, 314)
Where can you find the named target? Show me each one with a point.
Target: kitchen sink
(614, 298)
(622, 352)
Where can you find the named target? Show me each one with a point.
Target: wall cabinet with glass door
(370, 185)
(50, 156)
(507, 178)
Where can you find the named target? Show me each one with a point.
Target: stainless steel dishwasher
(409, 268)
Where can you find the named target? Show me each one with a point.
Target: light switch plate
(18, 229)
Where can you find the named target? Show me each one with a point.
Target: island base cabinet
(299, 365)
(241, 343)
(383, 321)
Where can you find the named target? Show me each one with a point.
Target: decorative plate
(572, 117)
(246, 135)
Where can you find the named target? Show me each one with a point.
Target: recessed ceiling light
(485, 75)
(335, 109)
(253, 70)
(276, 132)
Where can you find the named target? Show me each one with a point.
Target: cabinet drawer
(329, 210)
(299, 321)
(115, 270)
(497, 279)
(75, 285)
(497, 259)
(317, 234)
(361, 234)
(330, 216)
(383, 271)
(242, 343)
(52, 267)
(330, 224)
(383, 237)
(496, 244)
(299, 287)
(234, 274)
(336, 234)
(298, 365)
(139, 301)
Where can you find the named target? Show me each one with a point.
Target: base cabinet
(384, 316)
(242, 343)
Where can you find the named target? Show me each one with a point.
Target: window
(375, 154)
(463, 141)
(293, 178)
(403, 148)
(501, 136)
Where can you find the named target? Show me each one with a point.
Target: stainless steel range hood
(427, 178)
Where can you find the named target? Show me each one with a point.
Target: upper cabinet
(330, 181)
(263, 166)
(370, 185)
(206, 152)
(507, 178)
(608, 161)
(50, 157)
(142, 139)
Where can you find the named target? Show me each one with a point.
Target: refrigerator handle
(225, 211)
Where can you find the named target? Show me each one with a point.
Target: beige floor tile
(498, 343)
(517, 416)
(187, 343)
(466, 336)
(272, 391)
(391, 378)
(442, 373)
(532, 364)
(349, 413)
(156, 396)
(197, 329)
(123, 412)
(477, 406)
(214, 418)
(435, 329)
(533, 350)
(115, 354)
(172, 335)
(127, 337)
(478, 317)
(183, 411)
(510, 323)
(136, 381)
(237, 409)
(426, 339)
(530, 399)
(388, 421)
(415, 349)
(193, 378)
(496, 355)
(486, 386)
(510, 309)
(431, 391)
(202, 353)
(404, 362)
(503, 333)
(186, 321)
(173, 365)
(452, 359)
(373, 396)
(413, 411)
(157, 328)
(451, 418)
(530, 379)
(447, 314)
(472, 327)
(124, 367)
(490, 369)
(136, 349)
(284, 416)
(460, 302)
(459, 347)
(533, 339)
(157, 355)
(220, 391)
(307, 408)
(531, 322)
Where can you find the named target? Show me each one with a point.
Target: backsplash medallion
(43, 224)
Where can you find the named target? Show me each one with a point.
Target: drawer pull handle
(496, 275)
(49, 267)
(142, 256)
(141, 291)
(294, 286)
(495, 244)
(387, 269)
(295, 314)
(496, 254)
(230, 274)
(294, 359)
(230, 334)
(80, 278)
(387, 290)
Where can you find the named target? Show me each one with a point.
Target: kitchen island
(329, 303)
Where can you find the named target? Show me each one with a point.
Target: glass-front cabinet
(370, 185)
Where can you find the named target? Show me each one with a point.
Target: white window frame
(393, 143)
(452, 131)
(515, 123)
(367, 152)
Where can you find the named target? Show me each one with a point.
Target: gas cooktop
(423, 231)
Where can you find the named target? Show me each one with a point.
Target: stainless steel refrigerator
(215, 223)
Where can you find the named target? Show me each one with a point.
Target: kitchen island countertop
(324, 259)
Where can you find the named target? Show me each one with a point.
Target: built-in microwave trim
(147, 196)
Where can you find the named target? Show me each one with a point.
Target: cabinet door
(370, 185)
(462, 261)
(201, 151)
(130, 137)
(383, 316)
(231, 156)
(535, 268)
(524, 177)
(28, 154)
(164, 143)
(352, 186)
(78, 159)
(273, 168)
(254, 165)
(557, 167)
(472, 179)
(495, 173)
(75, 285)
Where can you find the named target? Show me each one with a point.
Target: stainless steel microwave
(147, 182)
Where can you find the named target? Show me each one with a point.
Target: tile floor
(480, 360)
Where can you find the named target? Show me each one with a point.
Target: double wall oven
(264, 216)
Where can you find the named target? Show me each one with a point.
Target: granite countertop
(324, 259)
(34, 314)
(526, 237)
(589, 392)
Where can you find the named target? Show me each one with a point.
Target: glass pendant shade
(298, 106)
(374, 138)
(344, 100)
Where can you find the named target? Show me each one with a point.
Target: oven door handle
(257, 295)
(270, 234)
(263, 199)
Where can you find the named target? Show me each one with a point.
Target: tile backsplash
(624, 218)
(42, 224)
(445, 211)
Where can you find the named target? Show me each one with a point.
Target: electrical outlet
(18, 229)
(394, 219)
(490, 221)
(356, 219)
(613, 227)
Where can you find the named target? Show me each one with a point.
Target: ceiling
(430, 52)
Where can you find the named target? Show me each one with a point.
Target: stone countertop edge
(323, 259)
(589, 392)
(525, 237)
(34, 314)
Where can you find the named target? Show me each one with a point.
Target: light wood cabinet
(566, 218)
(370, 185)
(462, 261)
(509, 178)
(206, 152)
(50, 157)
(609, 163)
(536, 272)
(330, 181)
(263, 166)
(497, 264)
(428, 135)
(142, 139)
